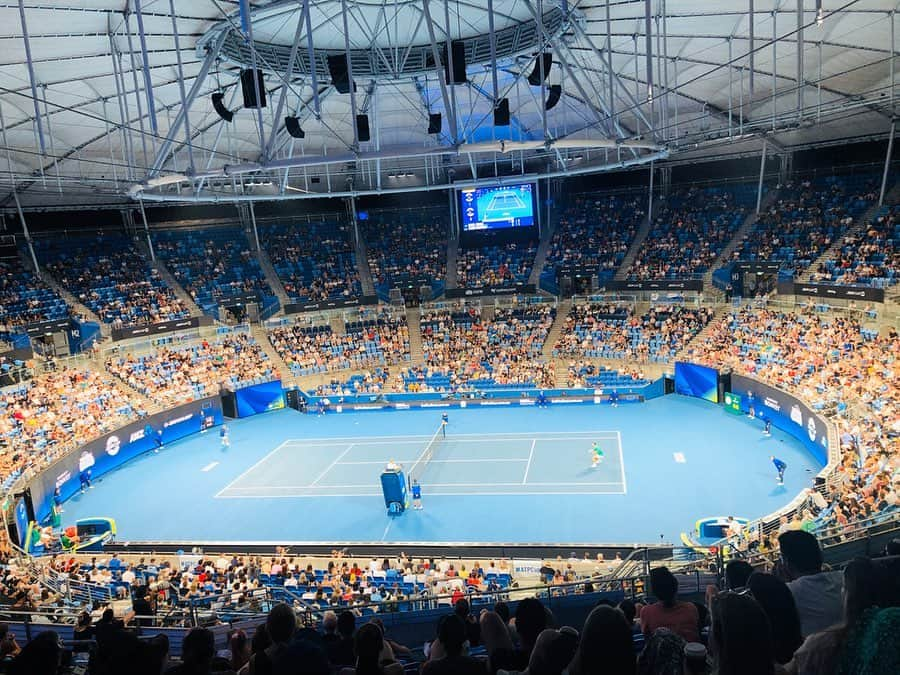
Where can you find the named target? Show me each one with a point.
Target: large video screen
(494, 208)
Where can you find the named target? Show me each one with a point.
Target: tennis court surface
(468, 464)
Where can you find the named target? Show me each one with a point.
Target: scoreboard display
(497, 207)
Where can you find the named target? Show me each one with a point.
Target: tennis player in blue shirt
(417, 495)
(779, 467)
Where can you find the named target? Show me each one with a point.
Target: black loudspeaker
(229, 405)
(292, 124)
(458, 52)
(248, 88)
(535, 78)
(501, 113)
(553, 97)
(220, 108)
(362, 128)
(434, 123)
(340, 78)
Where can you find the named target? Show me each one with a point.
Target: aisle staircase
(452, 253)
(413, 320)
(639, 237)
(77, 306)
(833, 251)
(262, 338)
(698, 339)
(738, 239)
(362, 266)
(540, 257)
(562, 312)
(167, 276)
(272, 279)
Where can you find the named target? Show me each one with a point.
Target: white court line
(362, 442)
(379, 496)
(251, 468)
(528, 466)
(622, 463)
(522, 434)
(442, 461)
(331, 466)
(386, 528)
(369, 486)
(210, 466)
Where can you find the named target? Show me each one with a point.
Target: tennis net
(417, 469)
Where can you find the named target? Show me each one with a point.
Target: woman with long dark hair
(741, 636)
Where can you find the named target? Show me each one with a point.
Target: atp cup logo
(112, 446)
(811, 428)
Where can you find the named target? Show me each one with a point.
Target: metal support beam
(137, 90)
(496, 88)
(887, 163)
(253, 223)
(353, 110)
(185, 105)
(147, 231)
(148, 84)
(286, 81)
(192, 94)
(27, 234)
(762, 171)
(439, 68)
(541, 37)
(648, 35)
(31, 79)
(311, 57)
(801, 79)
(127, 144)
(247, 25)
(752, 17)
(650, 196)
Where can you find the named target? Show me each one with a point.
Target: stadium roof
(639, 80)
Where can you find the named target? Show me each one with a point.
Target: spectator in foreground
(497, 642)
(530, 620)
(606, 644)
(777, 602)
(867, 584)
(373, 657)
(447, 657)
(280, 625)
(680, 617)
(552, 653)
(737, 572)
(41, 656)
(817, 594)
(663, 654)
(197, 652)
(740, 636)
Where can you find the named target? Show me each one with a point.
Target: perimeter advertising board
(110, 451)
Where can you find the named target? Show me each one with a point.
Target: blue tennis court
(467, 464)
(504, 474)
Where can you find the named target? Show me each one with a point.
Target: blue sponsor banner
(21, 520)
(697, 381)
(114, 449)
(786, 413)
(259, 398)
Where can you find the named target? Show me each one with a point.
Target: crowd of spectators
(692, 228)
(405, 250)
(842, 370)
(495, 266)
(808, 216)
(870, 258)
(595, 233)
(381, 339)
(464, 349)
(174, 375)
(315, 261)
(613, 331)
(799, 618)
(212, 264)
(55, 412)
(110, 277)
(24, 298)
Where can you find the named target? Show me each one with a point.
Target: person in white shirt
(128, 576)
(817, 594)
